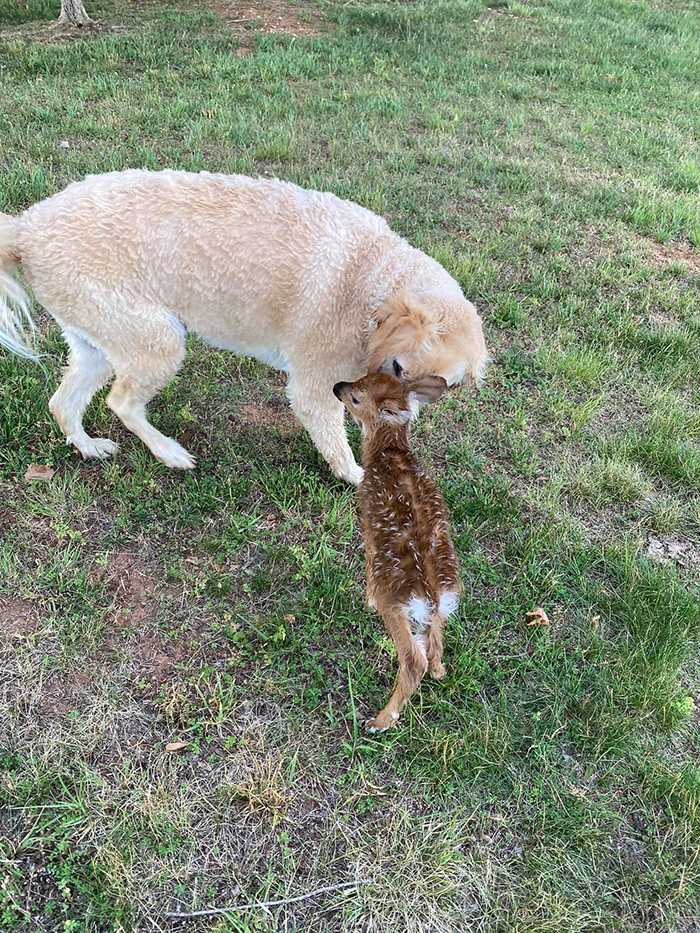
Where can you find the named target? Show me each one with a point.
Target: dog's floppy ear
(425, 389)
(403, 328)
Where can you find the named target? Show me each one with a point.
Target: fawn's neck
(383, 439)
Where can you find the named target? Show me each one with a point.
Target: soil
(267, 416)
(18, 616)
(665, 548)
(270, 16)
(684, 253)
(127, 578)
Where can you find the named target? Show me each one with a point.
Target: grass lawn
(547, 153)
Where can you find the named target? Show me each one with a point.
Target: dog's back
(169, 237)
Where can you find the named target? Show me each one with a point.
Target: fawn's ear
(425, 389)
(397, 416)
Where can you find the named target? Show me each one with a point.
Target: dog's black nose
(338, 388)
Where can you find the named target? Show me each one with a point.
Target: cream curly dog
(128, 262)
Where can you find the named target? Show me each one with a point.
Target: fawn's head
(381, 398)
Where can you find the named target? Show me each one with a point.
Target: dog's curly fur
(129, 261)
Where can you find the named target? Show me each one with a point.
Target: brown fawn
(410, 562)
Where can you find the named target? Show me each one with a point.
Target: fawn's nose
(338, 388)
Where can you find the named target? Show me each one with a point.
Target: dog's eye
(398, 369)
(354, 400)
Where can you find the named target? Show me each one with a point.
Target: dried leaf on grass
(38, 471)
(176, 746)
(537, 617)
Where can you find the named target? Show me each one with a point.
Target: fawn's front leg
(369, 560)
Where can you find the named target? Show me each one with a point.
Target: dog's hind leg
(157, 344)
(88, 370)
(413, 664)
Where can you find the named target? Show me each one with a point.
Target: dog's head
(436, 334)
(382, 398)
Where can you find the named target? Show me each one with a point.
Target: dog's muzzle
(338, 388)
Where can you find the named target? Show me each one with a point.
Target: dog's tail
(17, 329)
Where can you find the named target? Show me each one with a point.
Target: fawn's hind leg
(88, 370)
(413, 664)
(433, 646)
(142, 373)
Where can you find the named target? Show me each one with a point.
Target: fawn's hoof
(381, 722)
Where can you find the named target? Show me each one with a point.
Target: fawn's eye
(354, 400)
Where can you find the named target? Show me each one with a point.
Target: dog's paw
(94, 447)
(437, 670)
(351, 475)
(173, 455)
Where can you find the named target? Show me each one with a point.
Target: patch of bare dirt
(8, 518)
(38, 526)
(271, 16)
(274, 414)
(126, 576)
(667, 549)
(157, 657)
(18, 616)
(242, 17)
(63, 692)
(684, 253)
(153, 657)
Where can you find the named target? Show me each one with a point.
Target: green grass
(543, 151)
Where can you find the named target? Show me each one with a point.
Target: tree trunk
(73, 11)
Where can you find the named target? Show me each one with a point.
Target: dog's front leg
(323, 417)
